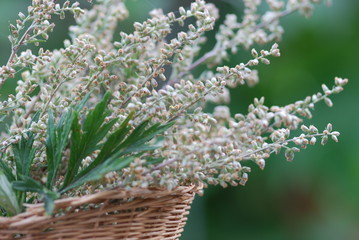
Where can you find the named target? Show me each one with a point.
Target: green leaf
(6, 170)
(93, 145)
(2, 118)
(8, 199)
(30, 185)
(146, 136)
(49, 198)
(135, 135)
(5, 110)
(112, 164)
(96, 117)
(74, 162)
(139, 148)
(134, 143)
(83, 102)
(24, 152)
(151, 160)
(112, 156)
(83, 144)
(57, 140)
(112, 142)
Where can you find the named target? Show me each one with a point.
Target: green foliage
(117, 150)
(24, 152)
(87, 141)
(6, 170)
(30, 185)
(8, 199)
(112, 156)
(57, 139)
(6, 110)
(113, 163)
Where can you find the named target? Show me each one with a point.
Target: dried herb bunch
(101, 114)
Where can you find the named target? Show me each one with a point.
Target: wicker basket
(114, 214)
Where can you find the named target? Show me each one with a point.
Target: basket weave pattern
(114, 214)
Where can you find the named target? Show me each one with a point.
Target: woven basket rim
(38, 211)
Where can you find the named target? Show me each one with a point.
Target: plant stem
(17, 46)
(217, 49)
(142, 84)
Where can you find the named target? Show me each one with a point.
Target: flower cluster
(149, 76)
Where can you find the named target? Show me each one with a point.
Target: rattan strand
(115, 214)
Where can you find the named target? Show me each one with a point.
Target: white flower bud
(265, 61)
(254, 53)
(313, 140)
(329, 127)
(261, 163)
(289, 155)
(328, 102)
(182, 11)
(324, 140)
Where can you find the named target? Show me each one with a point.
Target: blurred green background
(317, 195)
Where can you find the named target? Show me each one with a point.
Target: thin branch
(198, 62)
(216, 49)
(188, 106)
(163, 164)
(52, 96)
(32, 107)
(280, 143)
(15, 49)
(271, 126)
(149, 77)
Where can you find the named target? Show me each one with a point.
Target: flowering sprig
(33, 28)
(246, 138)
(253, 29)
(83, 113)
